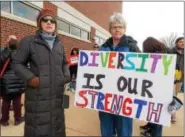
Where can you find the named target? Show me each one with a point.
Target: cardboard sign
(72, 60)
(135, 85)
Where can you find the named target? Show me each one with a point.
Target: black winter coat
(44, 114)
(180, 58)
(11, 85)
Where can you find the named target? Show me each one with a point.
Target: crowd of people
(38, 67)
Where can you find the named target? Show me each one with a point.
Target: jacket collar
(177, 51)
(40, 40)
(124, 41)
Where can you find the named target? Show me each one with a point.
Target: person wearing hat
(179, 73)
(48, 72)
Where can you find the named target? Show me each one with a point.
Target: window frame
(88, 33)
(73, 25)
(9, 5)
(27, 4)
(58, 18)
(11, 15)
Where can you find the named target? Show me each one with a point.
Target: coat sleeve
(20, 60)
(65, 67)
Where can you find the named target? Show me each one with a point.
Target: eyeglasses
(117, 27)
(45, 20)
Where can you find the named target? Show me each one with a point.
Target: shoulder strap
(4, 67)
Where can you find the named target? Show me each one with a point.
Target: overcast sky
(157, 19)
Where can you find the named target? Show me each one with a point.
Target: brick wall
(93, 10)
(97, 11)
(70, 43)
(10, 27)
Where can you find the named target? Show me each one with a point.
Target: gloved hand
(34, 82)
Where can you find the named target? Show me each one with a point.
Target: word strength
(116, 60)
(118, 104)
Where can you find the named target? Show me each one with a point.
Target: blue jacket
(123, 125)
(126, 44)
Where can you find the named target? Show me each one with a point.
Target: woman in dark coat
(11, 85)
(44, 113)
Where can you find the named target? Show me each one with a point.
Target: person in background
(118, 42)
(95, 47)
(1, 49)
(46, 77)
(182, 87)
(73, 69)
(152, 45)
(179, 51)
(12, 86)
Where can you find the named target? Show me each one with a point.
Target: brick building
(80, 24)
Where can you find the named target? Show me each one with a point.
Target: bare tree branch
(169, 41)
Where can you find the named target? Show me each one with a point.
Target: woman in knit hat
(44, 112)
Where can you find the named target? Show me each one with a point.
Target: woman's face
(180, 44)
(117, 30)
(74, 52)
(48, 24)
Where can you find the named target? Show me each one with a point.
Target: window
(84, 35)
(72, 29)
(25, 11)
(5, 6)
(75, 31)
(20, 9)
(63, 26)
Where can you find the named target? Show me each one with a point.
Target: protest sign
(135, 85)
(72, 60)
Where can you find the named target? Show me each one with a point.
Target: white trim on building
(17, 18)
(66, 16)
(37, 3)
(70, 11)
(66, 12)
(72, 36)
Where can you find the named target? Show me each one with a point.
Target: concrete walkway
(84, 122)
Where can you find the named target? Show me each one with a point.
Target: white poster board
(136, 85)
